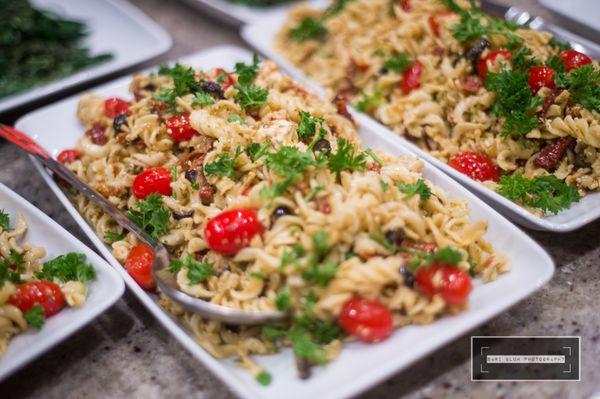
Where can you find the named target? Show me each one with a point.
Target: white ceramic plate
(237, 14)
(261, 36)
(116, 27)
(584, 11)
(360, 366)
(103, 292)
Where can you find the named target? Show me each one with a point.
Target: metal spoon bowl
(164, 279)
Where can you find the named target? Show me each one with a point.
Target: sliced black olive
(474, 53)
(322, 145)
(182, 215)
(212, 88)
(383, 70)
(409, 278)
(120, 121)
(395, 237)
(191, 175)
(150, 87)
(279, 212)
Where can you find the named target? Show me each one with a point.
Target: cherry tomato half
(475, 165)
(68, 156)
(411, 78)
(369, 321)
(152, 181)
(233, 230)
(114, 106)
(574, 59)
(44, 293)
(541, 76)
(492, 57)
(139, 265)
(179, 127)
(450, 282)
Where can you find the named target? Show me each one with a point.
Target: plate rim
(240, 386)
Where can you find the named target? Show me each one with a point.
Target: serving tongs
(165, 280)
(522, 17)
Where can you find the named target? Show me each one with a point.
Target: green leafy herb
(398, 63)
(256, 151)
(11, 267)
(336, 7)
(283, 299)
(174, 173)
(224, 165)
(307, 126)
(4, 220)
(305, 347)
(197, 271)
(202, 99)
(446, 255)
(513, 101)
(522, 59)
(320, 274)
(289, 163)
(370, 102)
(319, 240)
(419, 188)
(236, 118)
(421, 258)
(383, 241)
(257, 276)
(35, 317)
(556, 63)
(247, 73)
(384, 185)
(251, 96)
(69, 267)
(374, 156)
(313, 192)
(583, 84)
(292, 257)
(113, 236)
(557, 45)
(346, 158)
(151, 215)
(263, 378)
(547, 193)
(308, 29)
(184, 82)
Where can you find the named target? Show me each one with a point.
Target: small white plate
(360, 366)
(116, 27)
(238, 14)
(103, 292)
(584, 11)
(261, 36)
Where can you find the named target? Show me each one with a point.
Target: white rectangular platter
(103, 292)
(114, 26)
(360, 366)
(261, 36)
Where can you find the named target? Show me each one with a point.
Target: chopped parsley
(320, 274)
(35, 317)
(307, 126)
(202, 99)
(346, 158)
(151, 215)
(283, 299)
(263, 378)
(11, 268)
(336, 7)
(184, 82)
(546, 193)
(374, 156)
(251, 96)
(313, 192)
(224, 165)
(419, 188)
(113, 236)
(236, 118)
(445, 255)
(256, 151)
(556, 63)
(383, 241)
(513, 101)
(583, 84)
(369, 102)
(308, 29)
(69, 267)
(247, 73)
(289, 163)
(197, 271)
(4, 220)
(174, 173)
(384, 185)
(558, 45)
(398, 63)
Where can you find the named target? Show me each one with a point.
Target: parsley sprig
(224, 165)
(583, 84)
(11, 268)
(398, 63)
(308, 125)
(419, 188)
(151, 215)
(197, 271)
(4, 220)
(446, 255)
(184, 82)
(69, 267)
(546, 193)
(35, 317)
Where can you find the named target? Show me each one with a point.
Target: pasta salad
(264, 198)
(508, 106)
(32, 290)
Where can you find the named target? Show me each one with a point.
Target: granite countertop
(126, 353)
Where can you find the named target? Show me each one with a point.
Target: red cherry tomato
(411, 78)
(139, 265)
(450, 282)
(492, 57)
(541, 76)
(434, 21)
(114, 106)
(232, 230)
(68, 156)
(229, 80)
(475, 165)
(152, 181)
(405, 4)
(44, 293)
(369, 321)
(179, 127)
(574, 59)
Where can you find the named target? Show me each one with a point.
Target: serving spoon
(165, 280)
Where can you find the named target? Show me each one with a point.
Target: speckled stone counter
(126, 353)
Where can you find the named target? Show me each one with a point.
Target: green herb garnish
(419, 188)
(69, 267)
(197, 271)
(224, 165)
(308, 29)
(4, 220)
(151, 215)
(35, 317)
